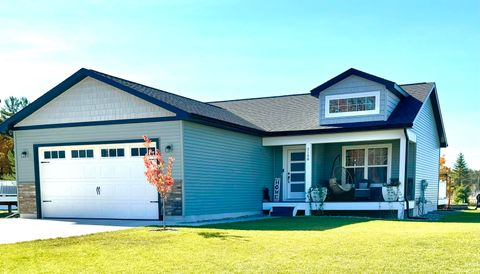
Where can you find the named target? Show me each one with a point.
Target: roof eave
(391, 86)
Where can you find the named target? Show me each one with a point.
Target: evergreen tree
(12, 106)
(461, 179)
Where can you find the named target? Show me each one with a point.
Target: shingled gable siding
(225, 171)
(428, 154)
(91, 100)
(355, 84)
(168, 133)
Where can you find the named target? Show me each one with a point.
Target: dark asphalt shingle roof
(299, 112)
(186, 104)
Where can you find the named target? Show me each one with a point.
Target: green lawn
(300, 244)
(3, 213)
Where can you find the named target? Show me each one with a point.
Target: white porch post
(401, 176)
(308, 172)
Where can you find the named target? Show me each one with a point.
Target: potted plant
(390, 190)
(317, 194)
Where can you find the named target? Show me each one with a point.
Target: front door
(296, 174)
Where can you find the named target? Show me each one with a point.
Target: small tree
(461, 179)
(156, 173)
(446, 175)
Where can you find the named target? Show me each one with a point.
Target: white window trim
(366, 166)
(352, 113)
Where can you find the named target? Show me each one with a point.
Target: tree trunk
(163, 213)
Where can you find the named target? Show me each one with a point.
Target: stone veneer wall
(27, 204)
(174, 200)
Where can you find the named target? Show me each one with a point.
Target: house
(79, 149)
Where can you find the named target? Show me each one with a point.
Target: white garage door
(96, 181)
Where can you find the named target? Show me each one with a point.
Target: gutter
(405, 183)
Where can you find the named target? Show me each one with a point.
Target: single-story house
(79, 150)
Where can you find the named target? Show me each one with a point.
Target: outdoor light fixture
(24, 154)
(169, 148)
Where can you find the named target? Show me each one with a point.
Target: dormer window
(352, 104)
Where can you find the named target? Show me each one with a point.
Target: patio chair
(362, 190)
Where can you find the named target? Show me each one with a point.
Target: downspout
(405, 187)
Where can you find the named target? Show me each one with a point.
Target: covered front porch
(362, 171)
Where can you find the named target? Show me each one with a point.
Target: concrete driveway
(20, 230)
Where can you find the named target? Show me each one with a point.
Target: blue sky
(219, 50)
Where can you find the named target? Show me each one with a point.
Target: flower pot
(390, 193)
(318, 195)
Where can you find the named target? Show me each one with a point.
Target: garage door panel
(96, 187)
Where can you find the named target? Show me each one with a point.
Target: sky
(219, 50)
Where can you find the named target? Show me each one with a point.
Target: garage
(95, 181)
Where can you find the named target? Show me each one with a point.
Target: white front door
(96, 181)
(296, 174)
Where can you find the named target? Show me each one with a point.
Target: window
(343, 105)
(82, 153)
(370, 162)
(113, 152)
(139, 151)
(54, 154)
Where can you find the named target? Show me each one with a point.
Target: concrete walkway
(21, 230)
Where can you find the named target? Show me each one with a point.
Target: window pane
(90, 153)
(377, 174)
(134, 151)
(378, 156)
(143, 151)
(104, 153)
(297, 177)
(61, 154)
(297, 167)
(354, 175)
(297, 156)
(74, 153)
(81, 153)
(297, 187)
(54, 154)
(47, 155)
(355, 157)
(370, 103)
(120, 152)
(112, 152)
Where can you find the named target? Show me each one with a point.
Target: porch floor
(337, 206)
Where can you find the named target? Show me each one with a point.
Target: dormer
(355, 96)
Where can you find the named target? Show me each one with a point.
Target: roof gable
(90, 101)
(391, 86)
(182, 107)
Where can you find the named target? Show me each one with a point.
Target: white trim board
(359, 136)
(375, 111)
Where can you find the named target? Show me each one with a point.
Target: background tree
(12, 106)
(446, 175)
(6, 147)
(460, 175)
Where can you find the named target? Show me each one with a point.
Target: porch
(356, 171)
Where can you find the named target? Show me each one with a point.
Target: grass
(286, 245)
(4, 213)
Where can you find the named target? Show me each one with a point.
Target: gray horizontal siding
(225, 171)
(428, 153)
(167, 132)
(391, 103)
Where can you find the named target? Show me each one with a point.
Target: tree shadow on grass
(313, 223)
(219, 235)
